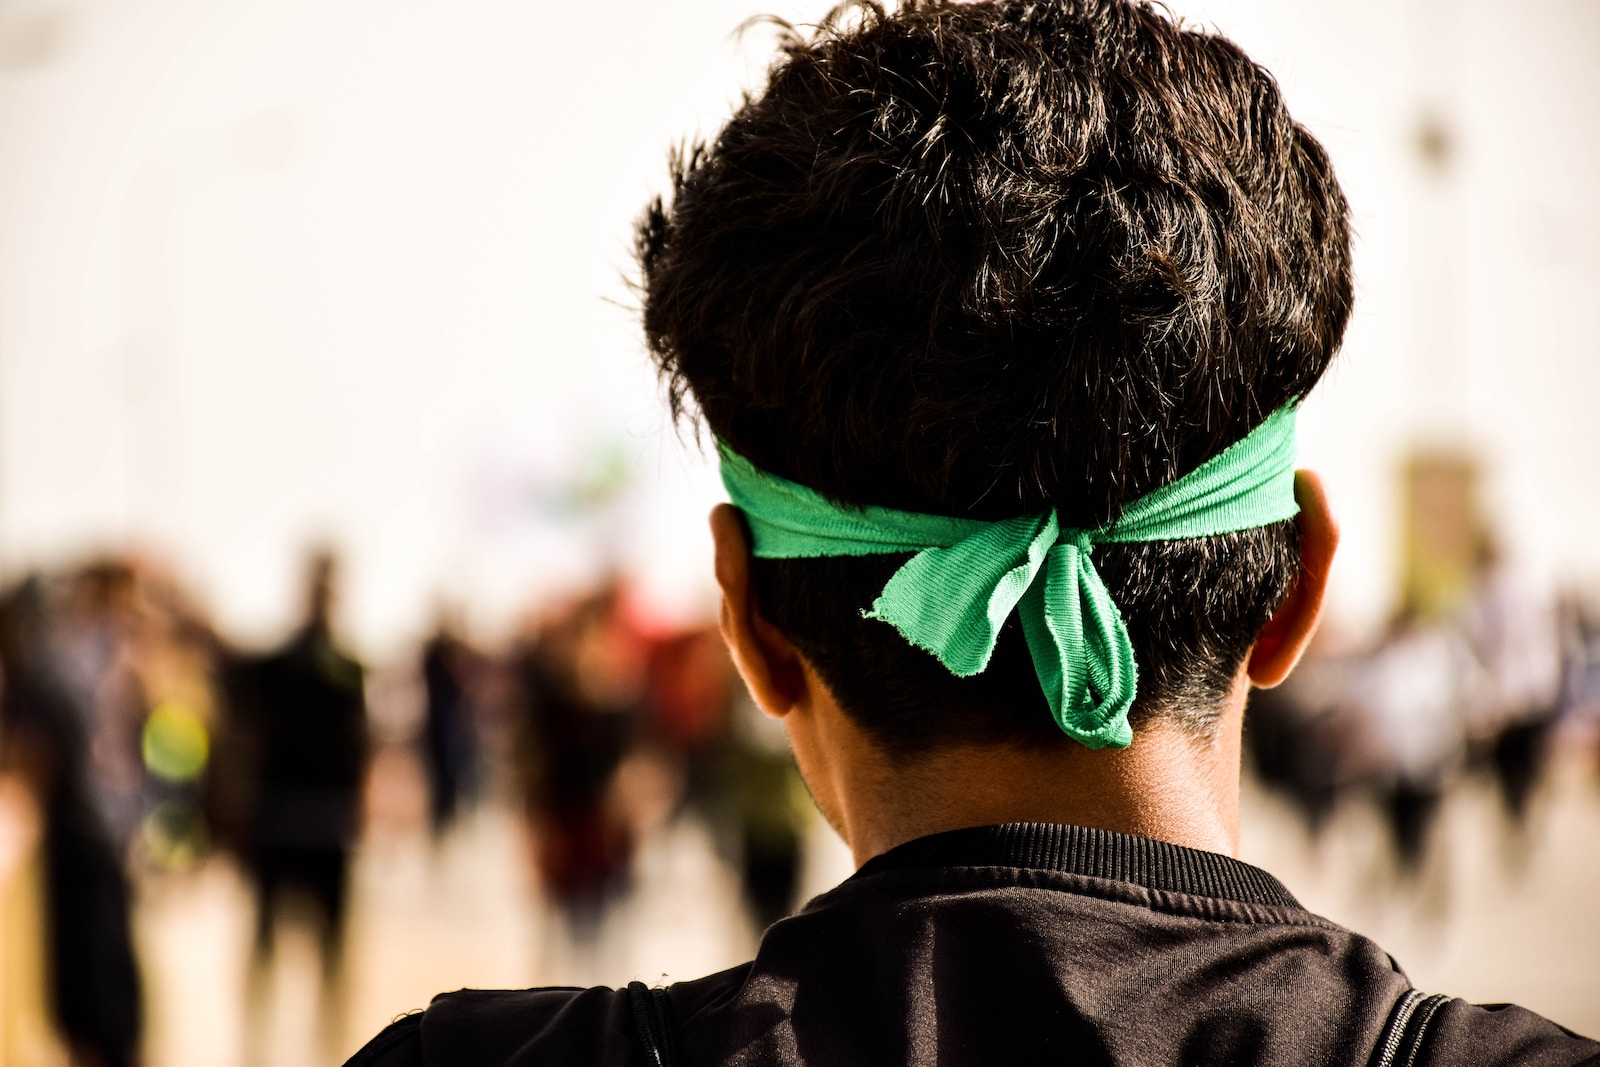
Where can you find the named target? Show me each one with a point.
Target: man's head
(985, 260)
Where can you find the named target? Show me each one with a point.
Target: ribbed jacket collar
(1091, 852)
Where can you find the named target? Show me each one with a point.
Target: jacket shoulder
(528, 1027)
(397, 1045)
(1486, 1034)
(509, 1028)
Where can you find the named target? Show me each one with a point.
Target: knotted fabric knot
(968, 576)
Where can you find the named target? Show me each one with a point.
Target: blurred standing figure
(94, 647)
(1305, 737)
(1516, 636)
(583, 683)
(449, 733)
(309, 724)
(1579, 702)
(1415, 690)
(47, 737)
(770, 808)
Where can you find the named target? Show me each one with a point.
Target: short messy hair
(987, 259)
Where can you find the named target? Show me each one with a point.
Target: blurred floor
(426, 920)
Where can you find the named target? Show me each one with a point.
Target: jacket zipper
(1412, 1005)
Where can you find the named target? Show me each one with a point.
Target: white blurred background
(349, 272)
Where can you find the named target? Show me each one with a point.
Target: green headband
(968, 575)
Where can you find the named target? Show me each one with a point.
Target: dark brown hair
(988, 259)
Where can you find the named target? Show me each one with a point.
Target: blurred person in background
(451, 749)
(766, 801)
(690, 691)
(1515, 635)
(304, 711)
(1578, 720)
(1414, 694)
(180, 663)
(582, 678)
(48, 734)
(1303, 737)
(999, 314)
(735, 769)
(95, 643)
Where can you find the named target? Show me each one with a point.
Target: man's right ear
(770, 666)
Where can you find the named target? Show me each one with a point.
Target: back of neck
(1168, 785)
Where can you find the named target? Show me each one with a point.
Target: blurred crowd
(142, 742)
(1493, 682)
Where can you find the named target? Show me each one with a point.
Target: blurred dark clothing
(1412, 807)
(690, 688)
(767, 804)
(572, 746)
(313, 738)
(306, 710)
(738, 773)
(1294, 737)
(95, 979)
(95, 990)
(1519, 638)
(1014, 944)
(449, 734)
(583, 681)
(1518, 757)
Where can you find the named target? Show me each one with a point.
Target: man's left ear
(770, 665)
(1289, 631)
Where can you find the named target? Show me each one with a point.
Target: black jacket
(1016, 944)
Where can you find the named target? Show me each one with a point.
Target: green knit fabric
(968, 575)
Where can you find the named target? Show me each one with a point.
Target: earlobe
(768, 663)
(1287, 634)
